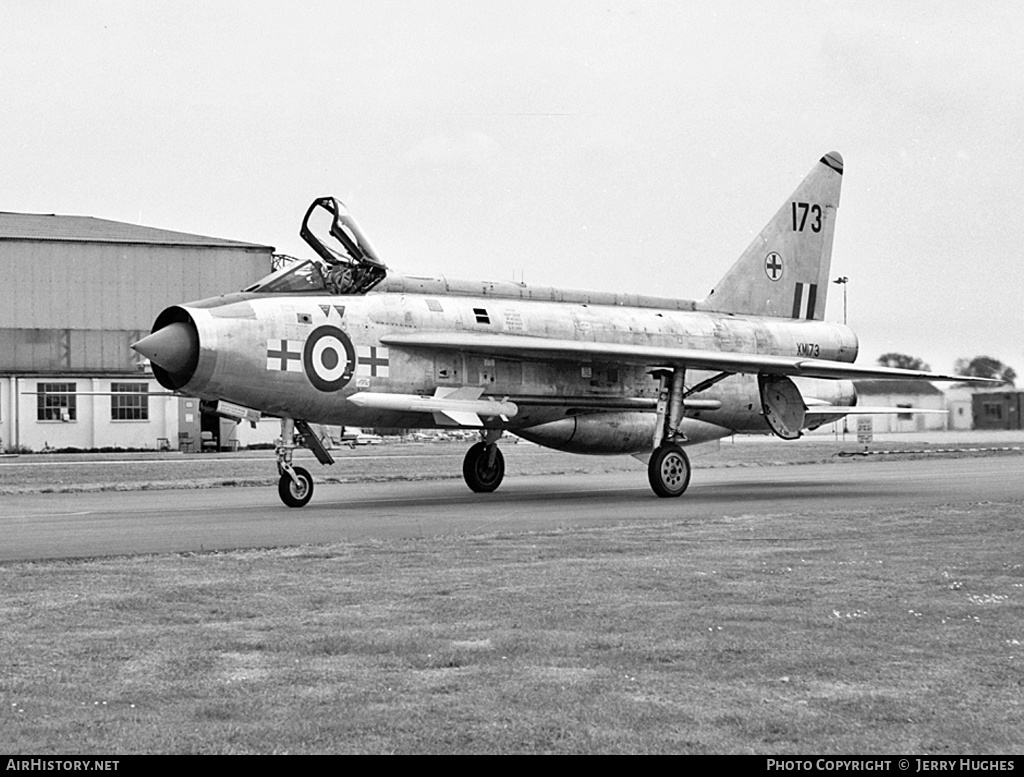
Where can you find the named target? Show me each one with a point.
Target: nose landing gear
(296, 484)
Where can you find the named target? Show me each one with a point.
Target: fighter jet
(341, 339)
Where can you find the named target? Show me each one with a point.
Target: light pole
(842, 280)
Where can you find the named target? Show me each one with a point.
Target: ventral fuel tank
(614, 433)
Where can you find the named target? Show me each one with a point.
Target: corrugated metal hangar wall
(75, 293)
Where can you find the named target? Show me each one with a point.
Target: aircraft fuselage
(343, 340)
(305, 356)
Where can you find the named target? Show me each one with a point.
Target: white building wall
(959, 404)
(907, 423)
(266, 432)
(93, 426)
(6, 414)
(111, 433)
(895, 422)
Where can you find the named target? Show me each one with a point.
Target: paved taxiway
(39, 526)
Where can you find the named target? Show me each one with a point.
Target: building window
(56, 402)
(129, 402)
(993, 412)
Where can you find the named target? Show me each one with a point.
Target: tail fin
(784, 272)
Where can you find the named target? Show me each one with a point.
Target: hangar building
(76, 292)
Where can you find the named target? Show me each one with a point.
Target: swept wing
(541, 349)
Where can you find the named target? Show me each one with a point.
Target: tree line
(977, 367)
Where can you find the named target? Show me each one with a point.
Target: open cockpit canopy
(348, 263)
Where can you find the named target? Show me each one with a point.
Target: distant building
(998, 408)
(959, 403)
(903, 393)
(77, 291)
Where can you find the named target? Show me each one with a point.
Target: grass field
(895, 631)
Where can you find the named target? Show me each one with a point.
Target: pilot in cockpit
(340, 279)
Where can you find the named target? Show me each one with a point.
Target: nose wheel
(484, 467)
(298, 490)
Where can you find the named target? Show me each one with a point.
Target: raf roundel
(328, 358)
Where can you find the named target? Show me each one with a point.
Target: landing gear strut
(484, 466)
(296, 484)
(668, 469)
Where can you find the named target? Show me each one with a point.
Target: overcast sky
(633, 146)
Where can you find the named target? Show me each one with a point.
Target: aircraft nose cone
(172, 348)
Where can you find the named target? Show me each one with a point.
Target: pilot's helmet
(341, 277)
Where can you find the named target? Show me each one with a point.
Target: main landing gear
(668, 469)
(484, 466)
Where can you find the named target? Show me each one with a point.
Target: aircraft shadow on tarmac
(742, 490)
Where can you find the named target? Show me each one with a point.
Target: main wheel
(669, 470)
(296, 494)
(480, 475)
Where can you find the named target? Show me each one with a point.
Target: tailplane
(784, 272)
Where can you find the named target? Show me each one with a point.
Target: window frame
(131, 400)
(56, 398)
